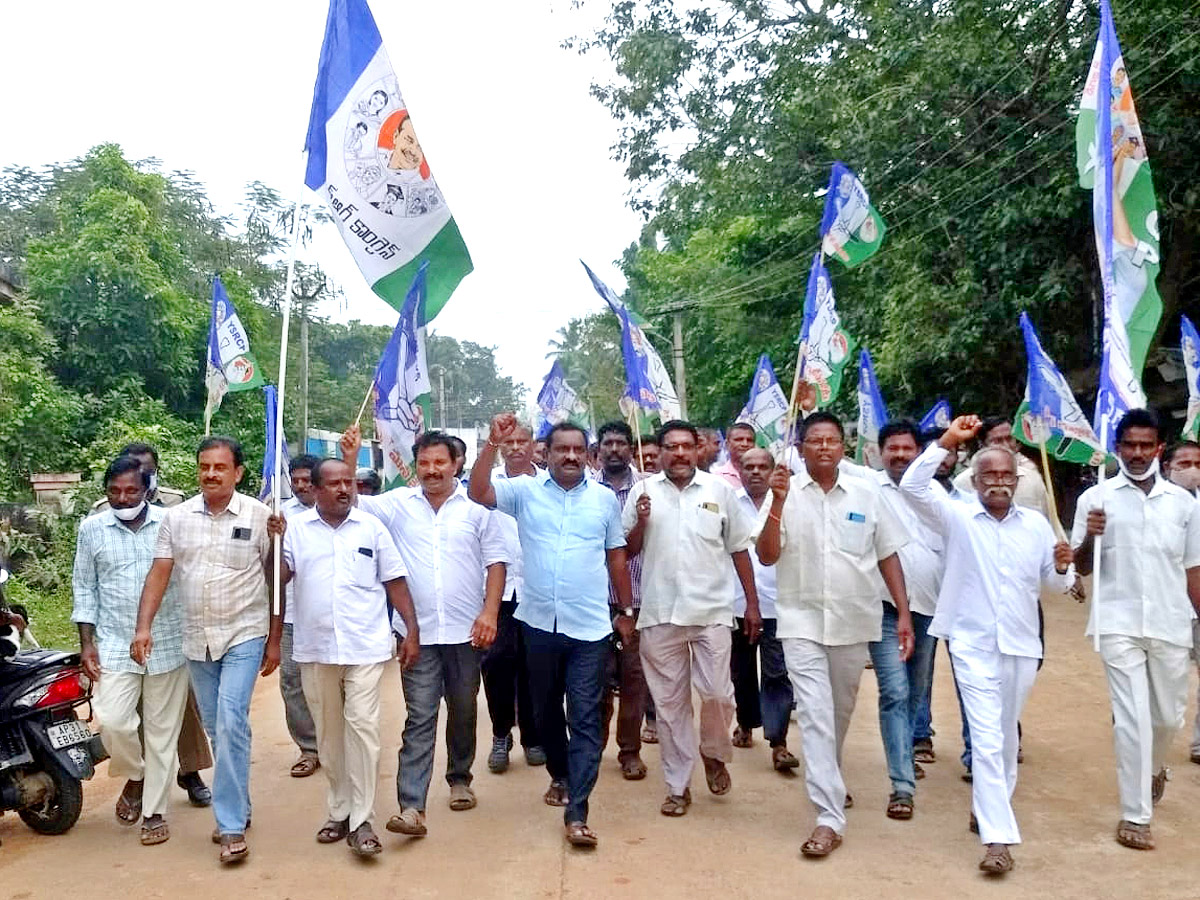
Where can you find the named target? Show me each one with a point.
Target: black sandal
(332, 831)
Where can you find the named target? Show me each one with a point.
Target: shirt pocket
(240, 554)
(363, 570)
(709, 525)
(852, 535)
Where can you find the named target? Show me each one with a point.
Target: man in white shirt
(1142, 611)
(454, 557)
(998, 557)
(833, 538)
(903, 685)
(505, 673)
(344, 569)
(1181, 463)
(295, 708)
(769, 705)
(688, 525)
(1031, 490)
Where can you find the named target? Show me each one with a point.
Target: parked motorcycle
(46, 752)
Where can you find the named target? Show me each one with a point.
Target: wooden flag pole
(1054, 520)
(637, 433)
(366, 400)
(277, 476)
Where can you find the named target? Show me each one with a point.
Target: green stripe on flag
(449, 263)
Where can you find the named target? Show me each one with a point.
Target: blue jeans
(923, 729)
(449, 671)
(901, 687)
(223, 689)
(561, 666)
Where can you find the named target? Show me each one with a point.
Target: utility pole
(677, 353)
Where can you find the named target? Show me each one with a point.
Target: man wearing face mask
(1181, 463)
(1148, 585)
(194, 752)
(113, 554)
(998, 557)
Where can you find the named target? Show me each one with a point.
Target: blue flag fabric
(1189, 346)
(1053, 412)
(556, 400)
(766, 409)
(937, 417)
(402, 388)
(639, 386)
(872, 413)
(268, 470)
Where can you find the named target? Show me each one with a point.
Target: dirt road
(744, 845)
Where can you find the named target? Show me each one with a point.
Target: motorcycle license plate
(66, 734)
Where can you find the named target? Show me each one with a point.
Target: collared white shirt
(290, 508)
(764, 576)
(922, 558)
(687, 577)
(1149, 543)
(445, 554)
(341, 615)
(514, 577)
(995, 569)
(219, 571)
(828, 569)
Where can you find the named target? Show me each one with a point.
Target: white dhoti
(825, 685)
(994, 688)
(1148, 685)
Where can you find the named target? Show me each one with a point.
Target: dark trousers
(768, 704)
(624, 677)
(506, 679)
(563, 667)
(449, 671)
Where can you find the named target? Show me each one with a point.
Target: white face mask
(1151, 470)
(129, 513)
(1188, 479)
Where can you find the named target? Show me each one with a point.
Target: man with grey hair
(998, 556)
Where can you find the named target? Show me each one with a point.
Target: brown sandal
(823, 841)
(155, 831)
(306, 765)
(900, 806)
(997, 860)
(676, 805)
(333, 831)
(579, 835)
(1158, 785)
(129, 808)
(1134, 836)
(633, 769)
(234, 848)
(717, 776)
(742, 737)
(363, 842)
(556, 794)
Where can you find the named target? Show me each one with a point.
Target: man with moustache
(904, 683)
(344, 570)
(832, 537)
(217, 551)
(768, 706)
(1147, 593)
(647, 454)
(505, 673)
(571, 538)
(296, 713)
(454, 556)
(113, 553)
(626, 675)
(688, 526)
(740, 438)
(998, 556)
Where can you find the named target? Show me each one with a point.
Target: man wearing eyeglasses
(998, 557)
(1147, 586)
(831, 536)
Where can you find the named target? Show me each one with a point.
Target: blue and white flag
(872, 414)
(1189, 345)
(230, 365)
(647, 384)
(402, 389)
(825, 346)
(558, 402)
(937, 417)
(851, 228)
(268, 469)
(1050, 414)
(766, 409)
(365, 161)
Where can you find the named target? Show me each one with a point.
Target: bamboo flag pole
(366, 400)
(637, 432)
(1100, 475)
(1054, 520)
(277, 476)
(797, 378)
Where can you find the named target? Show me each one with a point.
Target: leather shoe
(197, 791)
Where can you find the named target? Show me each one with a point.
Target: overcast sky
(223, 89)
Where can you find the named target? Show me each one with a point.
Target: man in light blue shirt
(573, 545)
